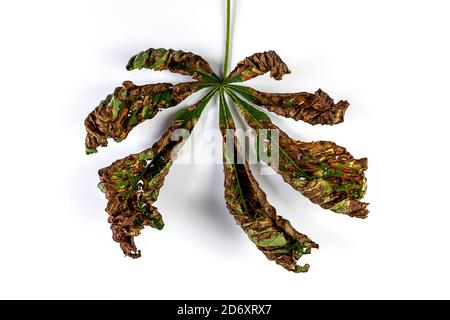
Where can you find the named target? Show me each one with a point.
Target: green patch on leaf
(140, 60)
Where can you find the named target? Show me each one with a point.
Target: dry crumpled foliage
(132, 184)
(130, 193)
(322, 171)
(317, 108)
(272, 234)
(129, 106)
(176, 61)
(258, 64)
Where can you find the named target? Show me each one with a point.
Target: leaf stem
(227, 42)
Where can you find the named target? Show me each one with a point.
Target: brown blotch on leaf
(272, 234)
(317, 108)
(132, 185)
(129, 106)
(258, 64)
(322, 171)
(177, 61)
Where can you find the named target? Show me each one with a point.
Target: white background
(390, 59)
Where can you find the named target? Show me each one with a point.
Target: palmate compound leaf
(132, 184)
(272, 234)
(129, 106)
(322, 171)
(317, 108)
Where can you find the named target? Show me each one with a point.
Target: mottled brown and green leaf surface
(317, 108)
(132, 184)
(272, 234)
(258, 64)
(176, 61)
(129, 106)
(322, 171)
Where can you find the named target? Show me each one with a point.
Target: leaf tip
(301, 269)
(90, 150)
